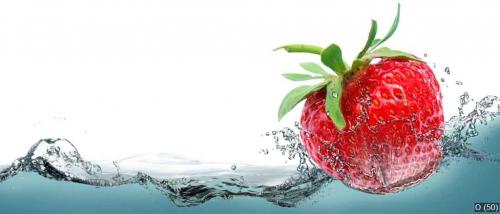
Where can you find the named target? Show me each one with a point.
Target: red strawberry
(377, 126)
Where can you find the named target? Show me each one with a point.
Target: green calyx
(331, 57)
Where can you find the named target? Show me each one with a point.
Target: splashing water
(189, 182)
(460, 128)
(186, 182)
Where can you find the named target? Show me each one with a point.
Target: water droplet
(447, 70)
(425, 54)
(459, 82)
(464, 98)
(442, 79)
(233, 167)
(334, 94)
(17, 163)
(267, 133)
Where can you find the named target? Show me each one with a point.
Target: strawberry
(376, 126)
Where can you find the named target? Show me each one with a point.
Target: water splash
(460, 128)
(455, 142)
(188, 182)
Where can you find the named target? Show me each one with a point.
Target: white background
(124, 77)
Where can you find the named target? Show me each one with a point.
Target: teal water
(454, 189)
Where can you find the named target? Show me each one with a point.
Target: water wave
(190, 182)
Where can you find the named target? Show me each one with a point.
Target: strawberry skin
(375, 126)
(394, 120)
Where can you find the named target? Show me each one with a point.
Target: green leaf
(387, 52)
(391, 30)
(332, 57)
(300, 48)
(300, 77)
(371, 37)
(296, 95)
(333, 105)
(313, 68)
(374, 42)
